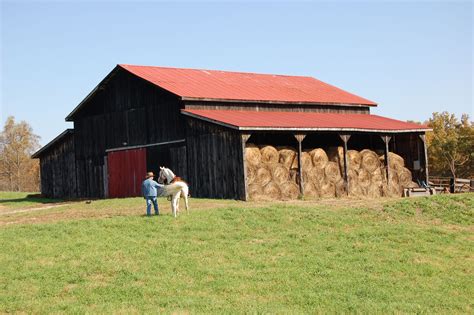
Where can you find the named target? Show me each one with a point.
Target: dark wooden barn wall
(58, 170)
(127, 111)
(215, 166)
(277, 107)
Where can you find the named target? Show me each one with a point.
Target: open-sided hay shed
(199, 122)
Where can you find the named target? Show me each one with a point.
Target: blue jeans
(149, 201)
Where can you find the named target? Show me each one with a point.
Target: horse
(174, 187)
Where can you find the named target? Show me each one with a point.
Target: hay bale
(340, 188)
(328, 190)
(255, 191)
(378, 176)
(314, 175)
(392, 190)
(280, 173)
(369, 160)
(413, 185)
(374, 191)
(263, 175)
(310, 190)
(269, 154)
(319, 158)
(252, 154)
(353, 160)
(331, 171)
(272, 191)
(287, 156)
(289, 190)
(395, 160)
(251, 173)
(294, 176)
(355, 191)
(352, 177)
(404, 177)
(305, 161)
(363, 178)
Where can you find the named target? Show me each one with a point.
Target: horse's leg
(175, 201)
(185, 200)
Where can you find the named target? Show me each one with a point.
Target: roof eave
(250, 128)
(94, 91)
(38, 153)
(204, 99)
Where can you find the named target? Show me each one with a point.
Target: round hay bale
(314, 175)
(392, 190)
(363, 178)
(251, 173)
(252, 154)
(280, 173)
(377, 177)
(340, 188)
(318, 157)
(269, 154)
(328, 190)
(353, 159)
(404, 177)
(272, 191)
(263, 175)
(332, 172)
(413, 185)
(395, 160)
(287, 156)
(305, 161)
(355, 191)
(255, 191)
(369, 160)
(310, 190)
(294, 176)
(289, 190)
(393, 175)
(374, 191)
(352, 177)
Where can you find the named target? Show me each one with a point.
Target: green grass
(22, 200)
(404, 255)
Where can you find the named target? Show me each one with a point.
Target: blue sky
(413, 58)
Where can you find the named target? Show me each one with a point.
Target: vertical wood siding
(215, 165)
(58, 170)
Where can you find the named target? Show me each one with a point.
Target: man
(150, 190)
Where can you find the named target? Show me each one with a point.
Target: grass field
(364, 256)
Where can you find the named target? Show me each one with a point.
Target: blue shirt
(150, 188)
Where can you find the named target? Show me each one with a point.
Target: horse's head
(166, 175)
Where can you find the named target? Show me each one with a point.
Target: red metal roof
(253, 120)
(239, 86)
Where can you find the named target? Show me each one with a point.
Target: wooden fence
(453, 185)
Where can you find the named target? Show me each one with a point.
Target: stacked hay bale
(272, 173)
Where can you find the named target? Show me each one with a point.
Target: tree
(17, 170)
(450, 145)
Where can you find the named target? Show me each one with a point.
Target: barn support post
(386, 140)
(244, 137)
(345, 138)
(300, 137)
(425, 149)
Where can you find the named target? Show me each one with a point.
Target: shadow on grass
(31, 199)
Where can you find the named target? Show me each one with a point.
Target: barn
(203, 124)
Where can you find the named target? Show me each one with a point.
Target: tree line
(450, 151)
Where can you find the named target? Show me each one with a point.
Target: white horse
(174, 187)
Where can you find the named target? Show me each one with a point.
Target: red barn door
(127, 170)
